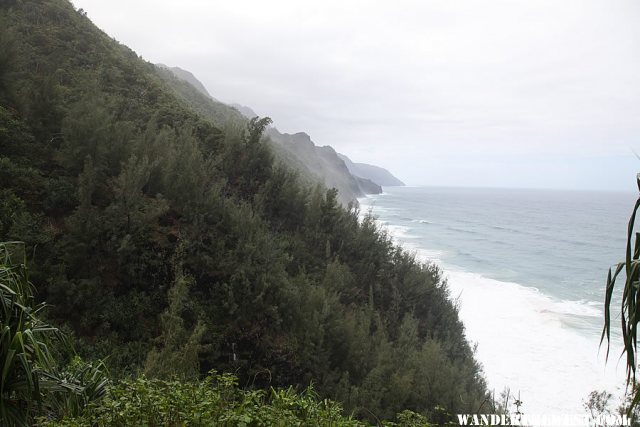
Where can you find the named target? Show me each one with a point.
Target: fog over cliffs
(316, 164)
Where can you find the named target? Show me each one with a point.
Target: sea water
(528, 269)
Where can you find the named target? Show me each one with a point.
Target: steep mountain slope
(367, 186)
(188, 77)
(320, 162)
(174, 246)
(199, 100)
(317, 165)
(376, 174)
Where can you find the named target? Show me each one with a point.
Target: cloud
(394, 82)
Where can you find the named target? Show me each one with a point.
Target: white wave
(399, 232)
(425, 255)
(525, 344)
(579, 308)
(422, 221)
(370, 198)
(528, 341)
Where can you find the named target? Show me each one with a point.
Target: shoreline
(528, 341)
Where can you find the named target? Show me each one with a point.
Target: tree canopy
(169, 245)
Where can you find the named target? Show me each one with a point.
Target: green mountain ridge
(315, 165)
(314, 161)
(322, 163)
(168, 236)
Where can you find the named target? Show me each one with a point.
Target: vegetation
(215, 401)
(630, 311)
(313, 164)
(170, 246)
(23, 350)
(34, 391)
(33, 382)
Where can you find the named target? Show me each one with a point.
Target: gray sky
(516, 93)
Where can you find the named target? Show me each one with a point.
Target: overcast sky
(515, 93)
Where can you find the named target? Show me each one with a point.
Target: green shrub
(215, 401)
(32, 381)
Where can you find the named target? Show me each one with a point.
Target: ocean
(528, 269)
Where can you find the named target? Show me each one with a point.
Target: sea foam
(541, 348)
(525, 343)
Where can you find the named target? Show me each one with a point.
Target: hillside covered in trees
(171, 245)
(314, 164)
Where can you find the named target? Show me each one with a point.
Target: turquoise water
(529, 269)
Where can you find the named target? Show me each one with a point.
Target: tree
(7, 57)
(291, 286)
(256, 128)
(177, 354)
(246, 162)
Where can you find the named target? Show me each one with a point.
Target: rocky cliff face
(322, 163)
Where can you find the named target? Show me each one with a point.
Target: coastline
(527, 341)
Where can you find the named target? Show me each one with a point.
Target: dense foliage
(39, 376)
(215, 401)
(35, 390)
(173, 247)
